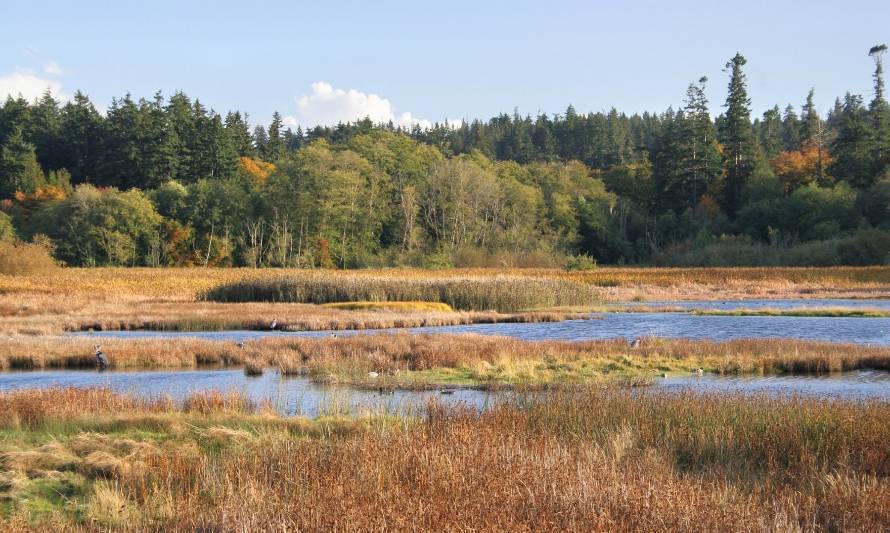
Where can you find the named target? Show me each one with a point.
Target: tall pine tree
(737, 137)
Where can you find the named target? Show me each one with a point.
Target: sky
(419, 62)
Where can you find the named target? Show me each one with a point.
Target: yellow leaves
(43, 193)
(257, 169)
(801, 167)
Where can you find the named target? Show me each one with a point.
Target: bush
(580, 262)
(868, 247)
(7, 231)
(17, 258)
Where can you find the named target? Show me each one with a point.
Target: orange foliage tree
(256, 169)
(802, 167)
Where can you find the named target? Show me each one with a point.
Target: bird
(700, 372)
(446, 391)
(373, 374)
(333, 335)
(274, 323)
(101, 358)
(240, 344)
(635, 343)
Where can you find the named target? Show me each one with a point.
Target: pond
(875, 331)
(296, 395)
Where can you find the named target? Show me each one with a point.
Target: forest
(165, 181)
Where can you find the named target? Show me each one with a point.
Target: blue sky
(438, 60)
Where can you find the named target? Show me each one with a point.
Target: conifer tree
(736, 137)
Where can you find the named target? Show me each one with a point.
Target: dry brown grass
(412, 361)
(44, 314)
(184, 284)
(141, 298)
(593, 460)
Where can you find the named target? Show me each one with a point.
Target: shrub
(580, 262)
(18, 258)
(867, 247)
(7, 232)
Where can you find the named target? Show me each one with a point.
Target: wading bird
(274, 323)
(101, 358)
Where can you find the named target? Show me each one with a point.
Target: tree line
(169, 182)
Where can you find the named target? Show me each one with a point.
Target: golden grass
(141, 298)
(416, 361)
(601, 459)
(44, 314)
(186, 284)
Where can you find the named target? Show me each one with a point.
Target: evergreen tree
(275, 144)
(853, 148)
(43, 130)
(260, 141)
(238, 131)
(811, 127)
(790, 129)
(736, 137)
(181, 118)
(880, 111)
(80, 138)
(19, 170)
(770, 132)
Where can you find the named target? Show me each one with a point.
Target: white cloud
(52, 68)
(327, 106)
(29, 85)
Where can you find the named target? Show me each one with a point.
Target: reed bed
(34, 314)
(419, 361)
(497, 293)
(598, 459)
(170, 298)
(621, 283)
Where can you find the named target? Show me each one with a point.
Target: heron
(274, 323)
(101, 358)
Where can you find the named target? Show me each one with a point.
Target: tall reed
(499, 293)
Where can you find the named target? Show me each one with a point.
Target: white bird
(700, 372)
(274, 323)
(373, 374)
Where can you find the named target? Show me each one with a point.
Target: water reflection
(300, 396)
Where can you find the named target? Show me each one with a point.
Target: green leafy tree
(95, 227)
